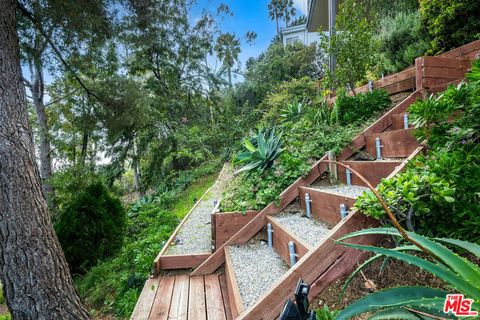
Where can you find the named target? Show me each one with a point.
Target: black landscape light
(298, 310)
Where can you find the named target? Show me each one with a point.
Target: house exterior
(320, 17)
(299, 33)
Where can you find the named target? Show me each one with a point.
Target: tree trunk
(230, 77)
(84, 147)
(35, 275)
(37, 90)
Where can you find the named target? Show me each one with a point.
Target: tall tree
(289, 11)
(35, 275)
(276, 11)
(51, 34)
(228, 49)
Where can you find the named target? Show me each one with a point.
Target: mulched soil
(395, 274)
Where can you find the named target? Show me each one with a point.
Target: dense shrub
(91, 227)
(361, 106)
(438, 194)
(402, 38)
(451, 23)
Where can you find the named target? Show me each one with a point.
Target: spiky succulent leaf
(458, 264)
(368, 262)
(469, 246)
(458, 281)
(423, 297)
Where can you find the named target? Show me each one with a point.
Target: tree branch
(24, 11)
(61, 98)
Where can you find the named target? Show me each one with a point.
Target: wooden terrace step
(184, 298)
(396, 144)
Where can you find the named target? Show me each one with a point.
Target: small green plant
(262, 155)
(292, 111)
(91, 227)
(409, 302)
(325, 313)
(325, 114)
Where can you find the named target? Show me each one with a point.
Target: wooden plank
(373, 171)
(213, 294)
(401, 86)
(281, 238)
(396, 144)
(444, 73)
(228, 224)
(196, 299)
(145, 301)
(463, 51)
(235, 300)
(226, 297)
(445, 62)
(179, 305)
(184, 261)
(163, 298)
(325, 206)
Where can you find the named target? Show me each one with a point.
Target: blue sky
(248, 15)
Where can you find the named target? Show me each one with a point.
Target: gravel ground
(256, 268)
(309, 230)
(352, 191)
(195, 235)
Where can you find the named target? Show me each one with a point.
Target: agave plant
(417, 302)
(292, 111)
(261, 153)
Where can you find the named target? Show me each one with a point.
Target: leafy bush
(409, 302)
(289, 94)
(262, 154)
(402, 38)
(451, 23)
(361, 106)
(91, 227)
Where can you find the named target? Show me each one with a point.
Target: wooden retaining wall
(408, 79)
(226, 224)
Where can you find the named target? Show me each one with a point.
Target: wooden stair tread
(183, 297)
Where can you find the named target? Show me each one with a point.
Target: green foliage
(361, 106)
(450, 23)
(402, 38)
(292, 111)
(91, 227)
(325, 313)
(262, 154)
(440, 190)
(461, 274)
(353, 45)
(289, 99)
(114, 285)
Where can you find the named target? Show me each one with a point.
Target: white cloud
(301, 5)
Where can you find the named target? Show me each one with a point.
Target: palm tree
(289, 10)
(276, 11)
(228, 49)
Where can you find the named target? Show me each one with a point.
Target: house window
(292, 40)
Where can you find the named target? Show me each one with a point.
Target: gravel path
(256, 268)
(309, 230)
(352, 191)
(195, 235)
